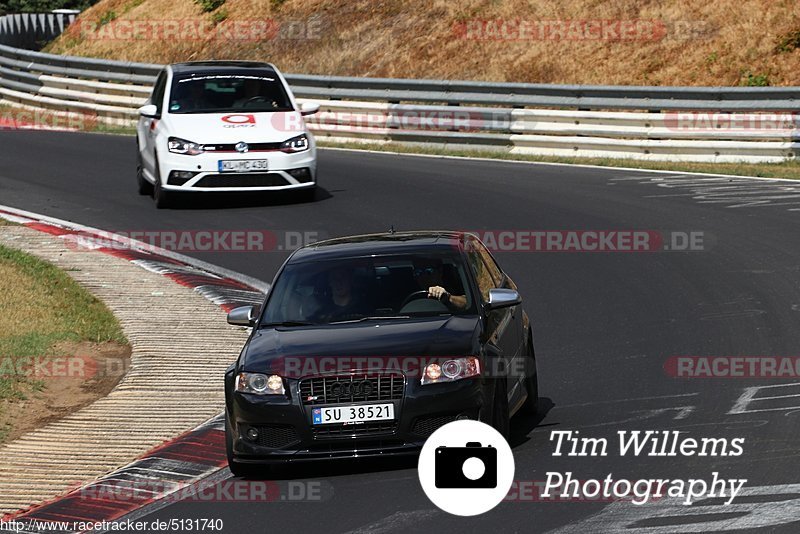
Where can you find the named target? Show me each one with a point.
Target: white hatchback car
(217, 126)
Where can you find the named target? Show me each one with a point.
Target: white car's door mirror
(150, 111)
(307, 108)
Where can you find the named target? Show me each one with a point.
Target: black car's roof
(380, 245)
(220, 66)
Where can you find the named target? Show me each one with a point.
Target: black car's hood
(288, 350)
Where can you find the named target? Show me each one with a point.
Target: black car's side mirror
(503, 298)
(242, 316)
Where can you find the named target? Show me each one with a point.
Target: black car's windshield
(383, 288)
(252, 92)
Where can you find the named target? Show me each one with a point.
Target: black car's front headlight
(260, 384)
(451, 370)
(176, 145)
(295, 144)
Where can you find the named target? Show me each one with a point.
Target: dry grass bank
(676, 42)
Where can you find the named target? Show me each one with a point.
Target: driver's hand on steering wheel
(437, 292)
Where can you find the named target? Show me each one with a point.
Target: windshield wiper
(373, 318)
(287, 323)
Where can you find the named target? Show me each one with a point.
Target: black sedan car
(366, 345)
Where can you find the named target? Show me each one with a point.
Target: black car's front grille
(276, 436)
(425, 426)
(363, 429)
(352, 388)
(259, 179)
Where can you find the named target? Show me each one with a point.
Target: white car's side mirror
(307, 108)
(149, 110)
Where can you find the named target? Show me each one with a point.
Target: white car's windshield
(252, 92)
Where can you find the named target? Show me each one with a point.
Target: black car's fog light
(252, 434)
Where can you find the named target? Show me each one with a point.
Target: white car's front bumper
(285, 171)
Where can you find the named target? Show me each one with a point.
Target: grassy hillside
(632, 42)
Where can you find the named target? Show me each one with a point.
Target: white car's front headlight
(260, 384)
(295, 144)
(177, 145)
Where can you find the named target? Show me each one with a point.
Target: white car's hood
(234, 127)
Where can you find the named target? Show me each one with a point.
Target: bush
(789, 42)
(755, 80)
(209, 5)
(219, 16)
(107, 17)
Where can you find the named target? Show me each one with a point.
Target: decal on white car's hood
(233, 127)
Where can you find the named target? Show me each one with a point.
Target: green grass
(108, 16)
(789, 169)
(104, 128)
(43, 306)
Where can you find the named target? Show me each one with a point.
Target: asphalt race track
(605, 324)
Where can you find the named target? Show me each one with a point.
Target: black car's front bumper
(285, 431)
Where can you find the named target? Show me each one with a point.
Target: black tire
(531, 405)
(238, 469)
(144, 187)
(495, 412)
(163, 199)
(501, 418)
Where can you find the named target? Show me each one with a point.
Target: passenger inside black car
(340, 302)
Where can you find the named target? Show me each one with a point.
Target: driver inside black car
(429, 275)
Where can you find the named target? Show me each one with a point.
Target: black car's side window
(483, 273)
(491, 265)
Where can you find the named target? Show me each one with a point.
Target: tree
(42, 6)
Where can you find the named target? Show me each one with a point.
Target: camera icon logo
(466, 468)
(472, 466)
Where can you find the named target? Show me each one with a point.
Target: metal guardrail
(564, 120)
